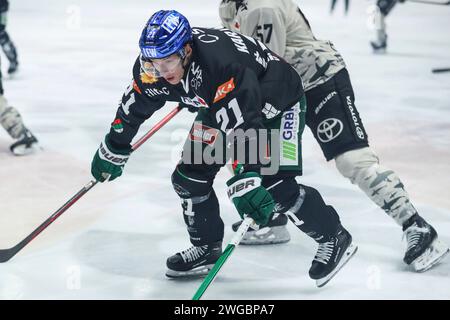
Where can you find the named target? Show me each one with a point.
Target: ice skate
(275, 232)
(331, 256)
(379, 47)
(26, 144)
(194, 262)
(13, 68)
(424, 249)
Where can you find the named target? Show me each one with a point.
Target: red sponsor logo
(203, 134)
(224, 89)
(136, 88)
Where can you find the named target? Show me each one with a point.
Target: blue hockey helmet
(166, 33)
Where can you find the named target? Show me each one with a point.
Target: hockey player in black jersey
(237, 85)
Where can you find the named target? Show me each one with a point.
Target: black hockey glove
(191, 109)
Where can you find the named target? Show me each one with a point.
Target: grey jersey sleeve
(268, 26)
(283, 28)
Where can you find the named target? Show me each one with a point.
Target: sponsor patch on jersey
(117, 126)
(203, 134)
(153, 92)
(195, 101)
(224, 89)
(136, 88)
(290, 123)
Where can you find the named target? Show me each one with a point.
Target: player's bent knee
(284, 192)
(312, 215)
(352, 163)
(187, 187)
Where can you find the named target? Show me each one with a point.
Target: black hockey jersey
(4, 6)
(233, 76)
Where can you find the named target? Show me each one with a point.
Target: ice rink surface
(76, 58)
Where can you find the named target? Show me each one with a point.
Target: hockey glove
(250, 198)
(108, 162)
(189, 108)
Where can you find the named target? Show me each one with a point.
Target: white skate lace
(193, 253)
(413, 235)
(324, 252)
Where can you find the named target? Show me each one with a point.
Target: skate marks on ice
(121, 253)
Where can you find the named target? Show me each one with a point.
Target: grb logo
(329, 129)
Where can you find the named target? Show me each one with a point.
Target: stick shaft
(440, 3)
(223, 258)
(7, 254)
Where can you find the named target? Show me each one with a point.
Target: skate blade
(432, 256)
(23, 150)
(194, 273)
(273, 235)
(349, 253)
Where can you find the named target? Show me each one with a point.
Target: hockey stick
(223, 258)
(439, 70)
(7, 254)
(446, 3)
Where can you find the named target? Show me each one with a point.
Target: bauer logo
(240, 186)
(202, 133)
(224, 89)
(106, 155)
(329, 129)
(324, 101)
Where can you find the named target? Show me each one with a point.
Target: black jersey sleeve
(134, 108)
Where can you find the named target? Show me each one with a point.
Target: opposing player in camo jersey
(10, 118)
(233, 81)
(12, 122)
(333, 119)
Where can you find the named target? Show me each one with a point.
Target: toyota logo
(329, 129)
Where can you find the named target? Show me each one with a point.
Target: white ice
(76, 58)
